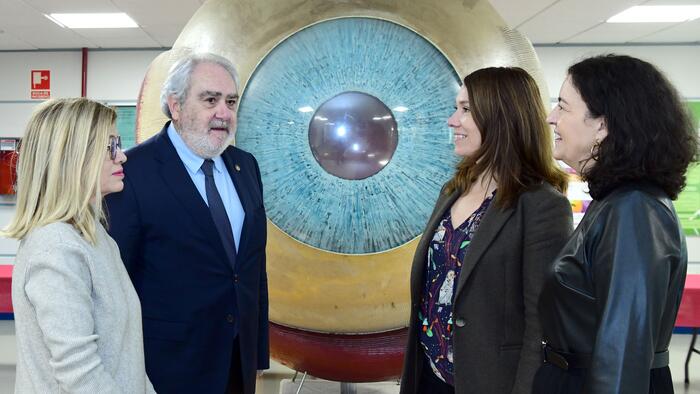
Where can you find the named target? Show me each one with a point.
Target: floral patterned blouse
(445, 255)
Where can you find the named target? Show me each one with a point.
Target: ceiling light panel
(657, 14)
(93, 21)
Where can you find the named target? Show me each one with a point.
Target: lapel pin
(238, 168)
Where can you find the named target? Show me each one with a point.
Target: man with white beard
(191, 229)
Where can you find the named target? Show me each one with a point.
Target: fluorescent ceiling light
(657, 13)
(93, 21)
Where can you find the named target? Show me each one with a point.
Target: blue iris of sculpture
(374, 191)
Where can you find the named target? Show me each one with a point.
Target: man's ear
(174, 106)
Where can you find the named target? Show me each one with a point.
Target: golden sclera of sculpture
(310, 288)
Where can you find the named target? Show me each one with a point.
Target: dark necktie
(218, 212)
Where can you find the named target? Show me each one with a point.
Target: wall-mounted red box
(8, 164)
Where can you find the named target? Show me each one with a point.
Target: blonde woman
(77, 316)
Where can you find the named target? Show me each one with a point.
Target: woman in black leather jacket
(611, 296)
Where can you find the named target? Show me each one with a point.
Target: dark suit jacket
(497, 334)
(193, 302)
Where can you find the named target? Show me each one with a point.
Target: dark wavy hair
(516, 141)
(651, 135)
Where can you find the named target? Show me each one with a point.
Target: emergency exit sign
(40, 84)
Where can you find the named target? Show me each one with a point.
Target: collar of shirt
(192, 162)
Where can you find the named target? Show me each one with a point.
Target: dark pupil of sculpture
(353, 135)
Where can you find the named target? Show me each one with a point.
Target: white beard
(200, 144)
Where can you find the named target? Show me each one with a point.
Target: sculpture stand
(348, 388)
(301, 384)
(319, 386)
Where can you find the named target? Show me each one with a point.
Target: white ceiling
(23, 26)
(583, 22)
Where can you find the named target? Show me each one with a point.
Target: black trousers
(551, 379)
(428, 383)
(235, 375)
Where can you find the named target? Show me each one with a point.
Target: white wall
(112, 76)
(15, 69)
(117, 75)
(680, 63)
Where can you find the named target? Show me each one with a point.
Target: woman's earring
(595, 150)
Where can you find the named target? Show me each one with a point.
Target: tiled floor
(679, 351)
(278, 379)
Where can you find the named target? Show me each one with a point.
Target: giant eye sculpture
(344, 104)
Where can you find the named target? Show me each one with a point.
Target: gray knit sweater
(77, 316)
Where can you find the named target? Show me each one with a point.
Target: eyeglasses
(115, 145)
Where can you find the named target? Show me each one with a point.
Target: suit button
(235, 278)
(229, 318)
(460, 322)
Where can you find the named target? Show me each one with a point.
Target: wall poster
(688, 202)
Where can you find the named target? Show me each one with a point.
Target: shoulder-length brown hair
(516, 142)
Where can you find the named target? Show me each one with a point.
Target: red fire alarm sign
(40, 81)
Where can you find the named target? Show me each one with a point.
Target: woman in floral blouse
(498, 222)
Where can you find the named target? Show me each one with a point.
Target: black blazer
(613, 292)
(193, 302)
(497, 335)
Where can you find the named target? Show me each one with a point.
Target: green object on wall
(126, 124)
(688, 203)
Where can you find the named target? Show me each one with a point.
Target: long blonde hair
(60, 161)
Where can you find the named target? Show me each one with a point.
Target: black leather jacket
(613, 292)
